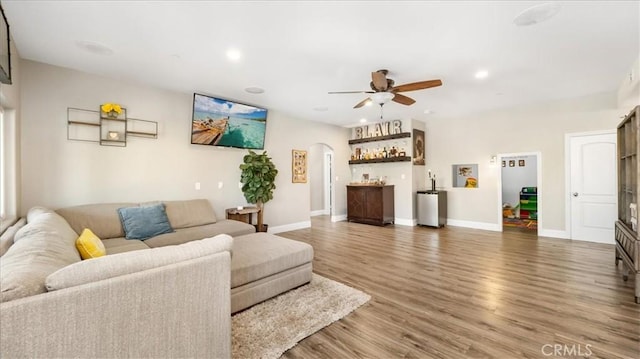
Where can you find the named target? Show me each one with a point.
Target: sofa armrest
(177, 310)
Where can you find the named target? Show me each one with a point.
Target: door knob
(575, 194)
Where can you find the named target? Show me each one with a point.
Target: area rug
(270, 328)
(520, 223)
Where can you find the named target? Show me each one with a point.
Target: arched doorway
(320, 179)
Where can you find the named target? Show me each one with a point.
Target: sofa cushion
(145, 221)
(44, 245)
(6, 239)
(190, 213)
(102, 218)
(136, 261)
(89, 245)
(230, 227)
(260, 255)
(121, 245)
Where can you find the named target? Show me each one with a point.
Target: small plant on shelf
(258, 181)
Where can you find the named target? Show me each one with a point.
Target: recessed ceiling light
(363, 120)
(369, 102)
(428, 112)
(482, 74)
(95, 47)
(321, 108)
(537, 14)
(254, 90)
(234, 54)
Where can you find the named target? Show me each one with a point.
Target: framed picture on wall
(512, 163)
(504, 163)
(418, 147)
(521, 163)
(465, 176)
(299, 166)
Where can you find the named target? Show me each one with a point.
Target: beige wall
(475, 138)
(629, 90)
(57, 172)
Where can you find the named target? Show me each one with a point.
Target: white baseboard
(605, 241)
(475, 225)
(289, 227)
(406, 222)
(338, 218)
(553, 233)
(320, 212)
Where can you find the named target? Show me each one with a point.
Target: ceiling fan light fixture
(382, 97)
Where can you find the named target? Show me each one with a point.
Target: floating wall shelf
(94, 126)
(381, 160)
(380, 138)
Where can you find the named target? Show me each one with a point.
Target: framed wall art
(299, 166)
(418, 147)
(465, 176)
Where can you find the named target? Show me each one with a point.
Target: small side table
(242, 215)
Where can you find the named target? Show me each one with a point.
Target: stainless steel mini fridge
(432, 208)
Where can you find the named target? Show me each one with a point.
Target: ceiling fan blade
(403, 99)
(379, 80)
(341, 92)
(417, 86)
(362, 103)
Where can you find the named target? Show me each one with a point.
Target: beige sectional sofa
(177, 288)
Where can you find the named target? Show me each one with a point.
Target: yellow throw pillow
(89, 245)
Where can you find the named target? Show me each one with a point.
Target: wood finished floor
(463, 293)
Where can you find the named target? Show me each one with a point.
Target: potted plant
(258, 181)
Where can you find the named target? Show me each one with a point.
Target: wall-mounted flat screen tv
(5, 50)
(219, 122)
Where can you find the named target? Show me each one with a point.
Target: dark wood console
(370, 204)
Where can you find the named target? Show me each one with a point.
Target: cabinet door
(356, 198)
(374, 203)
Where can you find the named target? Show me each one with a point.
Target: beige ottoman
(264, 265)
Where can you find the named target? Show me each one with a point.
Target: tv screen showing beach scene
(219, 122)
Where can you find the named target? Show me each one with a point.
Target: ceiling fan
(383, 90)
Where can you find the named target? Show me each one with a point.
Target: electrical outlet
(197, 186)
(220, 185)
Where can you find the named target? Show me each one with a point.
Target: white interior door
(593, 187)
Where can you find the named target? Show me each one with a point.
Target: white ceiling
(298, 51)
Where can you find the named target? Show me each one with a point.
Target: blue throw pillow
(144, 222)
